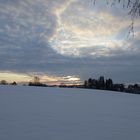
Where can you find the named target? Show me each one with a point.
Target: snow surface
(34, 113)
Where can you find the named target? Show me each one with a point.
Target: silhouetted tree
(101, 82)
(118, 87)
(136, 86)
(90, 83)
(36, 80)
(109, 84)
(85, 84)
(14, 83)
(122, 87)
(3, 82)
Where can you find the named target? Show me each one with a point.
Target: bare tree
(36, 80)
(133, 7)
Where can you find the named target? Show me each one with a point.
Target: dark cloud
(29, 28)
(24, 35)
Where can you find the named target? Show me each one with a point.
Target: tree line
(4, 82)
(107, 84)
(101, 83)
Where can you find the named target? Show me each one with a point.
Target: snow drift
(33, 113)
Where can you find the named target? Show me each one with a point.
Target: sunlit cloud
(43, 78)
(11, 76)
(97, 32)
(66, 38)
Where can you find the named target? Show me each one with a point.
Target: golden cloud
(83, 28)
(44, 78)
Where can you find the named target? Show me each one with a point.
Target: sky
(67, 41)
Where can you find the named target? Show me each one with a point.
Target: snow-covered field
(34, 113)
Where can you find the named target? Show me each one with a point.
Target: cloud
(43, 78)
(92, 30)
(67, 37)
(25, 29)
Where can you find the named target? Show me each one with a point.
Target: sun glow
(43, 78)
(18, 77)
